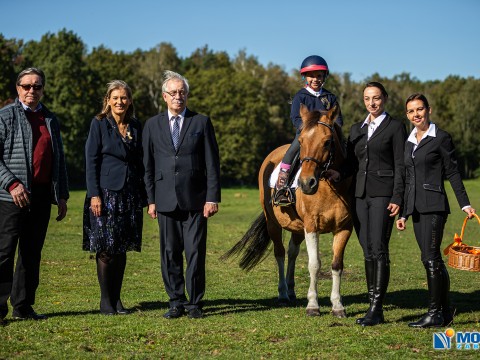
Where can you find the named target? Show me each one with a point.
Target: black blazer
(434, 161)
(107, 160)
(188, 177)
(378, 162)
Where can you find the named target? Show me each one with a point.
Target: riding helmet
(312, 63)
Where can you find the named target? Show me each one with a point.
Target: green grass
(242, 321)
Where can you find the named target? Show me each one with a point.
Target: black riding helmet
(312, 63)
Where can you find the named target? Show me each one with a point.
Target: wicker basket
(460, 255)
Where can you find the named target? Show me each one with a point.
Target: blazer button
(176, 172)
(176, 156)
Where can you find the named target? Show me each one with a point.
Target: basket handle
(465, 224)
(457, 240)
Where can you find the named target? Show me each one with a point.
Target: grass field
(242, 321)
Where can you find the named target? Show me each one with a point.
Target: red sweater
(42, 150)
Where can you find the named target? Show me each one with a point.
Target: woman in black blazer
(113, 212)
(429, 159)
(375, 156)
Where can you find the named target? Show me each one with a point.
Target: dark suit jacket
(188, 177)
(106, 157)
(434, 162)
(378, 162)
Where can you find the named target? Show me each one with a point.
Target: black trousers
(27, 228)
(292, 150)
(428, 229)
(373, 225)
(183, 231)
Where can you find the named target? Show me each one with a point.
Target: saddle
(286, 195)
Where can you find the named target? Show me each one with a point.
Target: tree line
(249, 103)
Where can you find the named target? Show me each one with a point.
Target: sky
(429, 39)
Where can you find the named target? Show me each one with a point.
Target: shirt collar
(432, 131)
(26, 108)
(313, 92)
(182, 114)
(377, 120)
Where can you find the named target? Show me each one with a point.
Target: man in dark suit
(182, 178)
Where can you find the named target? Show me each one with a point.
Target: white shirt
(373, 124)
(432, 131)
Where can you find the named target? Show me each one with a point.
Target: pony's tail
(254, 244)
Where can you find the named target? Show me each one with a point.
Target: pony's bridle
(324, 166)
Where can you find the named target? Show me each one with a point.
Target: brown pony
(321, 207)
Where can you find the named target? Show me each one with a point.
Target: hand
(470, 211)
(394, 209)
(152, 211)
(96, 205)
(20, 195)
(210, 209)
(62, 209)
(401, 224)
(332, 175)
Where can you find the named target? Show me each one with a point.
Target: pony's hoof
(313, 312)
(339, 313)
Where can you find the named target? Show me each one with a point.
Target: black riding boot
(436, 288)
(370, 276)
(120, 262)
(374, 315)
(105, 273)
(447, 311)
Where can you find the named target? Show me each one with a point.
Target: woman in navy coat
(113, 212)
(429, 159)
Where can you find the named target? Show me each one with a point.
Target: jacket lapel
(382, 127)
(187, 120)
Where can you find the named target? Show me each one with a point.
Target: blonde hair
(115, 85)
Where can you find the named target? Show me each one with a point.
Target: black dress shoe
(30, 316)
(174, 313)
(195, 313)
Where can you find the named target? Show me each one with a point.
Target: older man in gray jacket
(32, 176)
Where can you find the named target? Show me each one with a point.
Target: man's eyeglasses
(180, 93)
(27, 87)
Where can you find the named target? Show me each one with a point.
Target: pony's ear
(333, 113)
(303, 111)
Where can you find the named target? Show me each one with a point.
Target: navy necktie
(176, 131)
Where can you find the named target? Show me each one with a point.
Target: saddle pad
(274, 177)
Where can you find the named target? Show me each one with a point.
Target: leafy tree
(9, 54)
(67, 91)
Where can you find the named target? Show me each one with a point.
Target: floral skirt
(119, 228)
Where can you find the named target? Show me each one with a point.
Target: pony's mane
(311, 119)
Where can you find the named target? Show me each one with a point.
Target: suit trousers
(183, 231)
(27, 228)
(373, 225)
(428, 229)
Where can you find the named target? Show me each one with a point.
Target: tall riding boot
(105, 273)
(374, 315)
(370, 276)
(434, 316)
(120, 261)
(447, 311)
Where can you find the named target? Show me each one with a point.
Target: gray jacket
(16, 153)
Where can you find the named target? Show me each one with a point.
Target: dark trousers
(428, 229)
(27, 228)
(183, 231)
(292, 150)
(373, 225)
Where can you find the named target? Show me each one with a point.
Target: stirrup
(283, 197)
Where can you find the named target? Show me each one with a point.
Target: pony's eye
(327, 143)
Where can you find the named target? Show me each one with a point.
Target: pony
(322, 206)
